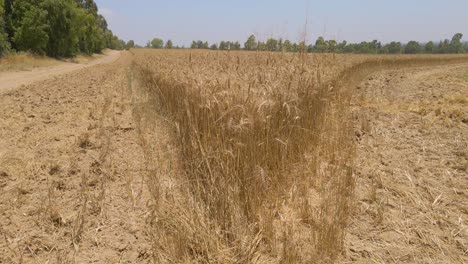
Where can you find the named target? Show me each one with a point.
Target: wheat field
(262, 165)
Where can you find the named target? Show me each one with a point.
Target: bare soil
(412, 160)
(71, 170)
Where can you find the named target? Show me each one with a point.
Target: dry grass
(265, 151)
(25, 62)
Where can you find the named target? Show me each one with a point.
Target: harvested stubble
(266, 150)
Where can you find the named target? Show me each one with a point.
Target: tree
(130, 44)
(342, 45)
(169, 44)
(429, 47)
(235, 45)
(223, 45)
(157, 43)
(320, 45)
(194, 45)
(261, 46)
(332, 46)
(394, 47)
(4, 44)
(30, 27)
(251, 43)
(287, 46)
(213, 47)
(456, 45)
(412, 47)
(63, 28)
(272, 44)
(205, 45)
(444, 46)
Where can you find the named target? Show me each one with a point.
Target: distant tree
(287, 46)
(235, 45)
(213, 47)
(456, 45)
(302, 47)
(295, 47)
(194, 45)
(261, 46)
(444, 47)
(332, 46)
(169, 45)
(272, 44)
(251, 43)
(157, 43)
(130, 44)
(349, 48)
(320, 45)
(429, 47)
(223, 45)
(412, 47)
(465, 47)
(394, 47)
(341, 46)
(199, 44)
(205, 45)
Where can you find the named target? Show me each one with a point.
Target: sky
(353, 20)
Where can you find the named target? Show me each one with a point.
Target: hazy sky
(354, 20)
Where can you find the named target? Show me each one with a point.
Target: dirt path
(72, 174)
(11, 80)
(412, 162)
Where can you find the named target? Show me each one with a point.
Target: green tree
(261, 46)
(130, 44)
(223, 45)
(63, 27)
(429, 47)
(412, 47)
(251, 43)
(90, 34)
(157, 43)
(320, 45)
(213, 47)
(332, 46)
(169, 45)
(444, 47)
(341, 46)
(287, 46)
(394, 47)
(272, 44)
(235, 45)
(4, 44)
(194, 45)
(456, 45)
(30, 26)
(205, 45)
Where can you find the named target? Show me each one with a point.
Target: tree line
(57, 28)
(453, 46)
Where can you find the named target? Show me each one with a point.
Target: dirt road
(412, 162)
(11, 80)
